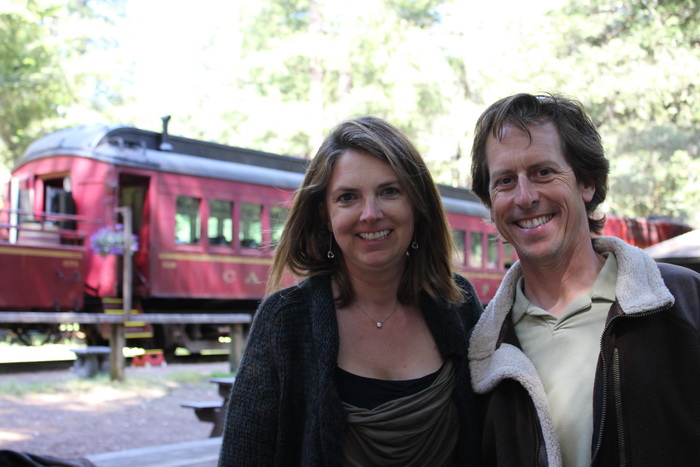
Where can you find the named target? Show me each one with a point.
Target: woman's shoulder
(471, 307)
(466, 287)
(296, 296)
(288, 297)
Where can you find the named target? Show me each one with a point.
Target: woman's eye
(345, 197)
(391, 191)
(544, 172)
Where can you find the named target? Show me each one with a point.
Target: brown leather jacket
(646, 407)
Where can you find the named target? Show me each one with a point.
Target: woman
(364, 362)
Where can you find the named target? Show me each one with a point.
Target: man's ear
(587, 191)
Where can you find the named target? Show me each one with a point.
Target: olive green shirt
(565, 353)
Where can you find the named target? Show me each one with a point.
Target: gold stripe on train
(213, 258)
(481, 275)
(13, 250)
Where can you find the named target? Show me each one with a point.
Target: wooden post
(237, 346)
(128, 262)
(116, 356)
(117, 340)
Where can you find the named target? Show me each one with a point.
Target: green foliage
(419, 13)
(40, 74)
(31, 85)
(650, 178)
(636, 66)
(276, 75)
(316, 63)
(276, 20)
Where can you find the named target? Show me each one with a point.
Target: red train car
(642, 232)
(58, 271)
(206, 216)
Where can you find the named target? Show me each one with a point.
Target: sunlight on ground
(20, 353)
(7, 437)
(96, 396)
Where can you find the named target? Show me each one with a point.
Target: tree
(41, 76)
(32, 88)
(312, 63)
(635, 66)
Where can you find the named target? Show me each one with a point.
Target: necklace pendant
(379, 325)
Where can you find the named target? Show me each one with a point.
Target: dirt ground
(60, 414)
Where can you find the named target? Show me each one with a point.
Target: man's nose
(527, 194)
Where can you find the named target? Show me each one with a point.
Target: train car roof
(133, 147)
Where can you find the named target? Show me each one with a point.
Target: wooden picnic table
(225, 385)
(214, 411)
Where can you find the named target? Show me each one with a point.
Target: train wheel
(93, 336)
(169, 354)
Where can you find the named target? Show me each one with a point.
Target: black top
(369, 393)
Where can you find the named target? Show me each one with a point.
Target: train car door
(133, 192)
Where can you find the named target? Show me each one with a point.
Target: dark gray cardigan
(285, 409)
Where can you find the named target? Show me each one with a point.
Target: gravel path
(59, 414)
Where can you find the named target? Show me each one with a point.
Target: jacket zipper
(617, 396)
(536, 429)
(620, 435)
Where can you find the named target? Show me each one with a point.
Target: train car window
(188, 225)
(59, 200)
(250, 228)
(220, 223)
(476, 250)
(458, 236)
(508, 255)
(492, 252)
(278, 214)
(23, 202)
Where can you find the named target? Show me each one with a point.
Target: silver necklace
(379, 323)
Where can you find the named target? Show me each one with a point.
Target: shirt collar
(603, 289)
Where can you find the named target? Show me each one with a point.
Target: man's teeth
(532, 223)
(374, 235)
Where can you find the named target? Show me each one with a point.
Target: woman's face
(369, 213)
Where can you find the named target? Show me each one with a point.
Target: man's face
(536, 203)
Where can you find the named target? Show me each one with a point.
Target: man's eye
(544, 172)
(505, 181)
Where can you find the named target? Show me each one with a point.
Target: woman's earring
(330, 247)
(414, 245)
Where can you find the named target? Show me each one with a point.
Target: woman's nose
(371, 210)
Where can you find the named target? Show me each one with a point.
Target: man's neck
(553, 286)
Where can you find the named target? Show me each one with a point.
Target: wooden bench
(214, 411)
(199, 453)
(211, 412)
(91, 360)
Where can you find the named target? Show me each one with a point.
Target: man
(589, 354)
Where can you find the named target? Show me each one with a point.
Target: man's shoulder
(677, 272)
(681, 281)
(684, 285)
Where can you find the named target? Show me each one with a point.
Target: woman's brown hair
(305, 241)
